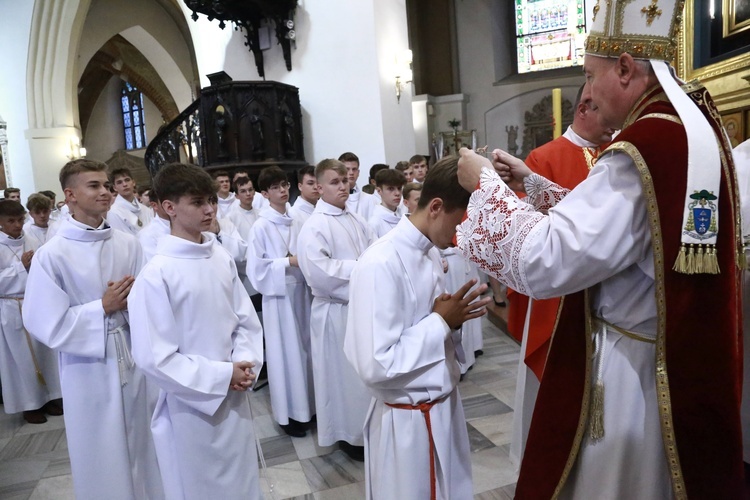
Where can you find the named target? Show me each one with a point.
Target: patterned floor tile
(483, 406)
(477, 441)
(502, 493)
(332, 471)
(278, 450)
(54, 488)
(286, 481)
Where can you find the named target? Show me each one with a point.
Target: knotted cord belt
(37, 369)
(425, 409)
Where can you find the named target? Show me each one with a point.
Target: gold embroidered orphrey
(652, 11)
(596, 10)
(590, 155)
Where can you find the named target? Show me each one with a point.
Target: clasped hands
(461, 306)
(510, 169)
(242, 375)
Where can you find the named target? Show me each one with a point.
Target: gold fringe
(697, 259)
(741, 259)
(596, 424)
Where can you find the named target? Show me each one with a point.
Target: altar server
(77, 294)
(406, 347)
(274, 271)
(196, 335)
(329, 245)
(31, 383)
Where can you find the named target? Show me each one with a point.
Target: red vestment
(698, 340)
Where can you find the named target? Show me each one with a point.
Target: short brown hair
(9, 191)
(242, 180)
(390, 177)
(349, 156)
(11, 208)
(79, 166)
(38, 201)
(271, 176)
(409, 187)
(179, 179)
(416, 159)
(403, 166)
(301, 173)
(220, 173)
(442, 182)
(329, 164)
(120, 172)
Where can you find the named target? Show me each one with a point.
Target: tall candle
(557, 113)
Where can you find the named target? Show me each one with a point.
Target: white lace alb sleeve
(542, 192)
(497, 224)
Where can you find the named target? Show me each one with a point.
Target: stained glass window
(132, 117)
(550, 34)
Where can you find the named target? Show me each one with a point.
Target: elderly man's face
(606, 91)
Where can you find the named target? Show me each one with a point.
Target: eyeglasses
(279, 186)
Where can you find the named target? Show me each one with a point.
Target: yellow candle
(557, 113)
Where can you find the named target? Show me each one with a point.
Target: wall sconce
(404, 75)
(75, 151)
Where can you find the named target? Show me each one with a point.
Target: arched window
(132, 117)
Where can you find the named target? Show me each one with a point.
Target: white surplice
(286, 315)
(597, 237)
(225, 205)
(243, 221)
(23, 390)
(361, 203)
(129, 217)
(406, 354)
(230, 240)
(461, 270)
(38, 236)
(191, 319)
(301, 210)
(383, 220)
(150, 235)
(328, 246)
(106, 422)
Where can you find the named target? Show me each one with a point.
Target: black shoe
(263, 374)
(294, 429)
(478, 353)
(356, 453)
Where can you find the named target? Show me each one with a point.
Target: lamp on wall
(404, 75)
(75, 150)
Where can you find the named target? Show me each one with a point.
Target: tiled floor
(34, 459)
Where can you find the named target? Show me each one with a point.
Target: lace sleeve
(543, 193)
(496, 227)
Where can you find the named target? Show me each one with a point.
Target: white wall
(341, 66)
(15, 24)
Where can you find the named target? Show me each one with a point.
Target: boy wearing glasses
(273, 270)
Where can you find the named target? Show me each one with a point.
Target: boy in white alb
(273, 269)
(76, 303)
(385, 216)
(359, 203)
(411, 193)
(328, 246)
(127, 214)
(224, 193)
(308, 194)
(243, 216)
(406, 348)
(40, 228)
(31, 383)
(197, 337)
(419, 167)
(159, 226)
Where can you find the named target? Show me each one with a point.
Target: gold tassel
(699, 261)
(690, 268)
(712, 260)
(680, 265)
(596, 421)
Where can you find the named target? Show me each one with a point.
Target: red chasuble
(699, 341)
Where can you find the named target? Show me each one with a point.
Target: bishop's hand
(510, 169)
(470, 167)
(461, 306)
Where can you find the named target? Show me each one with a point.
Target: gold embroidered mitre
(646, 29)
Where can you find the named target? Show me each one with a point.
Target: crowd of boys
(154, 370)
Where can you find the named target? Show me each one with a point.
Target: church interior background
(386, 79)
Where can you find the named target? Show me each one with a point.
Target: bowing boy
(274, 271)
(406, 348)
(76, 303)
(196, 336)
